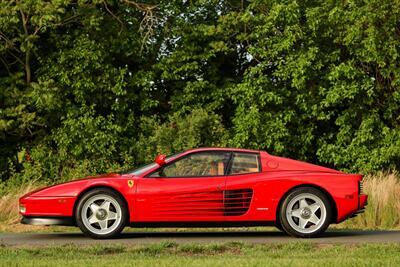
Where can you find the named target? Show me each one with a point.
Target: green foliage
(179, 132)
(94, 86)
(325, 86)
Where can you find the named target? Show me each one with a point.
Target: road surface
(330, 237)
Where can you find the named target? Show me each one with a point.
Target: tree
(94, 86)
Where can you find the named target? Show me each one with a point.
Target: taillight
(360, 187)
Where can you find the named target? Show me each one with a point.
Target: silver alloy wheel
(306, 213)
(101, 214)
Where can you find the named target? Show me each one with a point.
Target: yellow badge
(131, 183)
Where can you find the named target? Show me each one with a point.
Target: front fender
(60, 200)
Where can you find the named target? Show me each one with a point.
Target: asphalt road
(345, 237)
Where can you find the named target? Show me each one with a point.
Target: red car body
(187, 201)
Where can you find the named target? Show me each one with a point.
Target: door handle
(219, 187)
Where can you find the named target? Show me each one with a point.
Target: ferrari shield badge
(130, 183)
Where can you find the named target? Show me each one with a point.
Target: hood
(284, 164)
(106, 175)
(71, 182)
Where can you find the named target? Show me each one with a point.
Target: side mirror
(160, 160)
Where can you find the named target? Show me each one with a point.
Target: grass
(9, 217)
(222, 254)
(382, 212)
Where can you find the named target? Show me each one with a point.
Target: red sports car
(204, 187)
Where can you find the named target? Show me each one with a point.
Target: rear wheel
(305, 212)
(101, 213)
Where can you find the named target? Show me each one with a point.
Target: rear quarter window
(244, 163)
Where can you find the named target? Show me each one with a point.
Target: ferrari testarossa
(204, 187)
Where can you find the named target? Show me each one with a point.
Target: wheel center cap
(101, 214)
(306, 213)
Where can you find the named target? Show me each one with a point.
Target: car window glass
(244, 163)
(147, 167)
(196, 165)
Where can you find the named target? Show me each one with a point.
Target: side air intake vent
(237, 202)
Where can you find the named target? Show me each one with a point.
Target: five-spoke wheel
(101, 213)
(305, 212)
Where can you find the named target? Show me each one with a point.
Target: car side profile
(203, 187)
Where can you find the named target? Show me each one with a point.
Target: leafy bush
(93, 86)
(181, 132)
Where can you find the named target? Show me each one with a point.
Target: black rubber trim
(200, 224)
(66, 221)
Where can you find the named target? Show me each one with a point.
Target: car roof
(222, 149)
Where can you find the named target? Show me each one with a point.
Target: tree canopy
(92, 86)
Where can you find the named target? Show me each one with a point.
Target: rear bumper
(362, 202)
(67, 221)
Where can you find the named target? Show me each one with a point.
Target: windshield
(144, 168)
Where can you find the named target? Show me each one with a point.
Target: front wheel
(101, 213)
(305, 212)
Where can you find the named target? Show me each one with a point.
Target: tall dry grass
(9, 216)
(382, 212)
(9, 204)
(383, 209)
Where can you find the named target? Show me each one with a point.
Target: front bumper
(66, 221)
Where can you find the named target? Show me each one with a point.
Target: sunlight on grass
(169, 253)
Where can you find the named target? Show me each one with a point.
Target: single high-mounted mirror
(160, 160)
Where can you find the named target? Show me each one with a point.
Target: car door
(241, 187)
(191, 188)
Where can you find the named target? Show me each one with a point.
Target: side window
(244, 163)
(196, 165)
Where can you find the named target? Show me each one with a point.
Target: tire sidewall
(110, 193)
(282, 212)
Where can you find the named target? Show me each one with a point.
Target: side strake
(237, 202)
(190, 204)
(214, 203)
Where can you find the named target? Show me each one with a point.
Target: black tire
(310, 229)
(117, 225)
